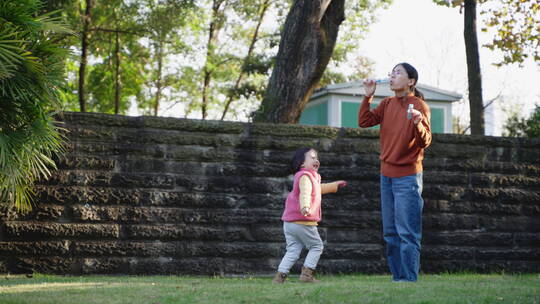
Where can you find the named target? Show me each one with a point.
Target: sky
(430, 37)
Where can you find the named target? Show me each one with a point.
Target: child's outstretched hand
(341, 183)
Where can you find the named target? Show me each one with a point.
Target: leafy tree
(359, 15)
(514, 126)
(515, 26)
(240, 56)
(250, 61)
(517, 33)
(162, 21)
(214, 58)
(217, 21)
(308, 42)
(129, 48)
(116, 75)
(110, 70)
(533, 123)
(31, 71)
(518, 127)
(474, 75)
(236, 57)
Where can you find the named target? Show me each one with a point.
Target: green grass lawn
(447, 288)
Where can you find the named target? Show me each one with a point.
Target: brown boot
(307, 275)
(279, 278)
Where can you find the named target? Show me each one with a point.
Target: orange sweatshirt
(402, 142)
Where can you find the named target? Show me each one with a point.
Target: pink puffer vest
(292, 204)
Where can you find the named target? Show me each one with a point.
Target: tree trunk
(231, 95)
(159, 85)
(476, 104)
(84, 56)
(306, 45)
(117, 74)
(215, 26)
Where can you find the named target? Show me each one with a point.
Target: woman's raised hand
(369, 87)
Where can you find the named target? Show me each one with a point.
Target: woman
(404, 134)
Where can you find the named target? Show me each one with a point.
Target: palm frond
(10, 52)
(31, 69)
(54, 24)
(25, 156)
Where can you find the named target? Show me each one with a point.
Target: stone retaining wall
(147, 195)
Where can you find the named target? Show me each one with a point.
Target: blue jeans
(401, 206)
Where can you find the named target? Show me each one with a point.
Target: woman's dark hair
(412, 74)
(299, 158)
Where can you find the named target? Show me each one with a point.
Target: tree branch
(99, 29)
(324, 6)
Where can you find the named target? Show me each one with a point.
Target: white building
(493, 119)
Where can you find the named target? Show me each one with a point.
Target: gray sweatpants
(297, 237)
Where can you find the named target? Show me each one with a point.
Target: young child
(302, 213)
